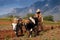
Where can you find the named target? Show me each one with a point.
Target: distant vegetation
(45, 18)
(28, 15)
(48, 18)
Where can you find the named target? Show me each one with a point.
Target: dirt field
(51, 32)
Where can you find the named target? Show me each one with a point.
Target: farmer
(14, 23)
(40, 19)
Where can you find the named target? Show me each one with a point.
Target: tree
(10, 16)
(28, 15)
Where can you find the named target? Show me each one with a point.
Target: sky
(7, 6)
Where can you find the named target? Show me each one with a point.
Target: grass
(45, 22)
(5, 19)
(7, 37)
(51, 23)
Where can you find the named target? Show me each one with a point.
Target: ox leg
(28, 33)
(18, 32)
(31, 32)
(24, 30)
(35, 31)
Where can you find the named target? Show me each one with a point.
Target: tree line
(46, 18)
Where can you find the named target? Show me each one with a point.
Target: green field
(51, 23)
(3, 22)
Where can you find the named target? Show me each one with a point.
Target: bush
(48, 18)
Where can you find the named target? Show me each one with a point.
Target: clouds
(30, 10)
(46, 4)
(5, 10)
(7, 5)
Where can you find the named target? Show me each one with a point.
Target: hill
(48, 7)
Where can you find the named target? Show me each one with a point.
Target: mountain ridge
(48, 7)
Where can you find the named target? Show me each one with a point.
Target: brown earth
(50, 32)
(10, 33)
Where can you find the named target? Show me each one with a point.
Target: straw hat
(38, 10)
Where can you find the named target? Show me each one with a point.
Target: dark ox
(31, 26)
